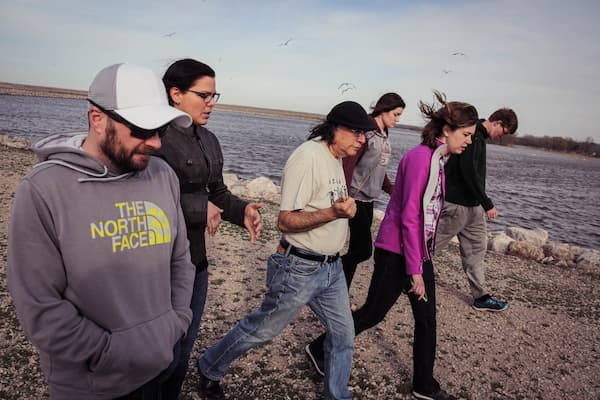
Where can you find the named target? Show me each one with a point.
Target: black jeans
(171, 388)
(152, 390)
(360, 246)
(388, 282)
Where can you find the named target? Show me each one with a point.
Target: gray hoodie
(99, 270)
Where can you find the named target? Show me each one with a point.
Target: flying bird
(285, 43)
(347, 84)
(459, 53)
(446, 71)
(169, 34)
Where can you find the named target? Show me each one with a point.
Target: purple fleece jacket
(402, 230)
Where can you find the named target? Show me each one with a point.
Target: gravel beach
(545, 346)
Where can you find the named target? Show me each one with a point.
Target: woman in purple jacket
(404, 243)
(405, 240)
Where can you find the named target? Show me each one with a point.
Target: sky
(538, 57)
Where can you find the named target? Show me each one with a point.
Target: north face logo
(139, 224)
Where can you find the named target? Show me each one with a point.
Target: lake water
(530, 188)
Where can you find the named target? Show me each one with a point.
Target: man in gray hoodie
(98, 260)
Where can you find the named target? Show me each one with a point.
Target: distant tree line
(554, 143)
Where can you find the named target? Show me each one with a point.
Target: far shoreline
(16, 89)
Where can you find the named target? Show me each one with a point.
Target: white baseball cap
(136, 94)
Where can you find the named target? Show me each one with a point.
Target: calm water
(530, 188)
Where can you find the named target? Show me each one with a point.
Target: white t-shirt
(313, 179)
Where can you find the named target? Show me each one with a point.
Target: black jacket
(195, 155)
(465, 173)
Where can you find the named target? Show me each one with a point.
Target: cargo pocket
(194, 208)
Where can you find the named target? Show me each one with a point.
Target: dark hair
(507, 117)
(183, 73)
(325, 130)
(455, 114)
(387, 102)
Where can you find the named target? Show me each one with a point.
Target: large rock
(589, 258)
(263, 188)
(14, 142)
(525, 249)
(577, 250)
(499, 242)
(558, 251)
(537, 236)
(230, 179)
(234, 184)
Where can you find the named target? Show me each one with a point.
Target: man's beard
(119, 156)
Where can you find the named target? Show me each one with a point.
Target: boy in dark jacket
(467, 205)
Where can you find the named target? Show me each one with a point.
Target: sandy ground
(546, 346)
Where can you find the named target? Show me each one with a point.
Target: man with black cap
(306, 268)
(98, 262)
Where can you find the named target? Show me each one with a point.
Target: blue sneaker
(488, 303)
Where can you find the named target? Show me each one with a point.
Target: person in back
(366, 177)
(467, 205)
(99, 266)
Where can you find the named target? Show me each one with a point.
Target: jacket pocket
(136, 355)
(193, 206)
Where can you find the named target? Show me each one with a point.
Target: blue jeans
(292, 283)
(172, 387)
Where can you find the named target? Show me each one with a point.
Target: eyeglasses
(207, 96)
(136, 131)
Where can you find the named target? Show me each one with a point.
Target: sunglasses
(136, 131)
(207, 96)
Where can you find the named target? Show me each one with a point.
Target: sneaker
(316, 362)
(209, 389)
(440, 394)
(488, 303)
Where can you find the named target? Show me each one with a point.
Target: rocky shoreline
(545, 346)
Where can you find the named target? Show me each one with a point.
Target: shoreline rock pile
(533, 244)
(530, 244)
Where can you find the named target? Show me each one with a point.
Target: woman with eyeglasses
(195, 155)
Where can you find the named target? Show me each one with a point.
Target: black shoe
(209, 389)
(316, 362)
(440, 394)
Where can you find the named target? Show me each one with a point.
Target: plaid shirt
(434, 206)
